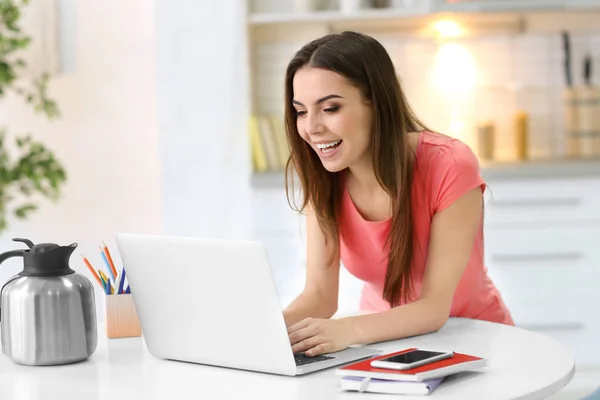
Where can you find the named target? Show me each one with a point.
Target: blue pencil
(122, 281)
(108, 288)
(128, 290)
(114, 278)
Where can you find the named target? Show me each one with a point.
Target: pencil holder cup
(121, 317)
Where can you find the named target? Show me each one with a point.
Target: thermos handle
(9, 254)
(3, 257)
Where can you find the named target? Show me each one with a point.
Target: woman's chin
(333, 166)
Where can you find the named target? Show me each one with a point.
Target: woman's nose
(313, 125)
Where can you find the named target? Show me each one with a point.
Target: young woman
(398, 204)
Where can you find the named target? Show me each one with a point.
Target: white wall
(107, 136)
(203, 98)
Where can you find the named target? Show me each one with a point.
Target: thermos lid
(43, 247)
(43, 259)
(47, 259)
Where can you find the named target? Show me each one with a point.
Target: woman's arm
(452, 237)
(319, 299)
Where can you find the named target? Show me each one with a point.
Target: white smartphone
(411, 359)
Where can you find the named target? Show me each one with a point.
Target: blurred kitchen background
(166, 117)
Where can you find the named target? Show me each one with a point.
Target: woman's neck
(362, 172)
(363, 176)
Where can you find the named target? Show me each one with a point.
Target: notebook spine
(451, 369)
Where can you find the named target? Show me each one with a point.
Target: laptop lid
(209, 301)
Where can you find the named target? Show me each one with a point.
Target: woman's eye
(300, 113)
(331, 109)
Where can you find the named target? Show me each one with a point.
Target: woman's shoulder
(447, 167)
(439, 150)
(435, 144)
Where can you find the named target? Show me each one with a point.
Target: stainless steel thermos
(47, 311)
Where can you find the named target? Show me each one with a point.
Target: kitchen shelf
(368, 15)
(513, 8)
(509, 6)
(542, 169)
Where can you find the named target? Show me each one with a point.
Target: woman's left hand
(316, 336)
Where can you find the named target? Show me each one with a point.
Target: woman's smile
(328, 149)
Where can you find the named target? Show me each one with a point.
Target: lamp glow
(447, 29)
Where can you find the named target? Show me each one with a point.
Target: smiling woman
(397, 203)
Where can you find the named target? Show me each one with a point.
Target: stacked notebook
(373, 385)
(362, 377)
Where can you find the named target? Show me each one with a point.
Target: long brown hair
(364, 62)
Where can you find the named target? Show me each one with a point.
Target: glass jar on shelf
(515, 122)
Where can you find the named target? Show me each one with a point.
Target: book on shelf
(374, 385)
(458, 363)
(268, 142)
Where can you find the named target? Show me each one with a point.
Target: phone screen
(412, 356)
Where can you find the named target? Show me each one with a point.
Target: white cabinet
(282, 231)
(542, 252)
(523, 202)
(505, 5)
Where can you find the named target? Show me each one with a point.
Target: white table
(522, 365)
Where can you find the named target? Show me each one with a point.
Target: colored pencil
(121, 281)
(103, 283)
(110, 271)
(92, 270)
(106, 279)
(110, 260)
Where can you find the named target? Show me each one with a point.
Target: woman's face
(332, 117)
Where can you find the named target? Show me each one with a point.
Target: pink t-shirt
(445, 170)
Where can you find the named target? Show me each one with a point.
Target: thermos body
(48, 320)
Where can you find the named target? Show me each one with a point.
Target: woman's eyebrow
(322, 99)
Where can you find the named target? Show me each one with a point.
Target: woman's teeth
(327, 147)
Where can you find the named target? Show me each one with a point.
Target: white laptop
(214, 302)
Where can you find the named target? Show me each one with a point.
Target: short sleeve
(456, 173)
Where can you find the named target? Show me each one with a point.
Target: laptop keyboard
(302, 359)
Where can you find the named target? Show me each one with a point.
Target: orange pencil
(85, 260)
(110, 261)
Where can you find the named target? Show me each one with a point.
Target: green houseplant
(27, 167)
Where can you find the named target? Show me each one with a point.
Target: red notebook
(458, 363)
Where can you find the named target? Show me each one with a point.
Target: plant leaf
(29, 167)
(23, 211)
